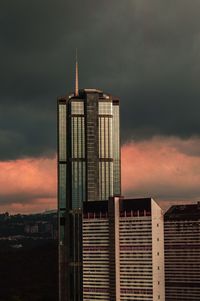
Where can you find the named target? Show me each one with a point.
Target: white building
(182, 256)
(123, 250)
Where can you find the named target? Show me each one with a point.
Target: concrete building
(123, 250)
(182, 256)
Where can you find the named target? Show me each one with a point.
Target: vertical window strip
(100, 181)
(99, 138)
(103, 181)
(72, 135)
(75, 137)
(72, 184)
(116, 151)
(62, 186)
(108, 137)
(83, 182)
(78, 183)
(62, 132)
(105, 176)
(111, 178)
(81, 132)
(83, 137)
(116, 132)
(107, 181)
(62, 234)
(104, 119)
(77, 188)
(77, 141)
(102, 138)
(111, 138)
(79, 136)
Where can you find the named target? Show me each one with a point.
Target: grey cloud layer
(146, 52)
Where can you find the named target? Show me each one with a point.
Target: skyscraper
(88, 170)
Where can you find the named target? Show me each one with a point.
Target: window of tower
(105, 108)
(77, 107)
(62, 132)
(62, 186)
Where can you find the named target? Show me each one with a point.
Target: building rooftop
(136, 204)
(95, 206)
(183, 212)
(139, 204)
(92, 90)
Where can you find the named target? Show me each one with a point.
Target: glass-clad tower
(88, 170)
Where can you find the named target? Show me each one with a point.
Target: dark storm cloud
(146, 52)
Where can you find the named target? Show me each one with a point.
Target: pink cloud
(164, 168)
(28, 185)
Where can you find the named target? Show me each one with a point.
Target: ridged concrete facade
(182, 253)
(96, 258)
(123, 251)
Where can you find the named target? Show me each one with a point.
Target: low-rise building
(123, 250)
(182, 253)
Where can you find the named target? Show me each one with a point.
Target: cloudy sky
(147, 52)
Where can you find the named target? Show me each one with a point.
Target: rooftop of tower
(91, 90)
(130, 204)
(83, 92)
(183, 212)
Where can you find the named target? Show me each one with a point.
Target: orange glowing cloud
(163, 168)
(28, 185)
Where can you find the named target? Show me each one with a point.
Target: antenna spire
(76, 80)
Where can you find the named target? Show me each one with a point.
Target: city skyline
(147, 55)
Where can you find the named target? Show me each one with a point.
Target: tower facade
(123, 250)
(182, 259)
(88, 171)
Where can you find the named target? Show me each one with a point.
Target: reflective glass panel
(62, 132)
(62, 185)
(105, 108)
(77, 107)
(78, 137)
(78, 184)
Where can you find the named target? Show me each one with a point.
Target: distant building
(27, 228)
(4, 216)
(182, 253)
(123, 250)
(31, 228)
(34, 228)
